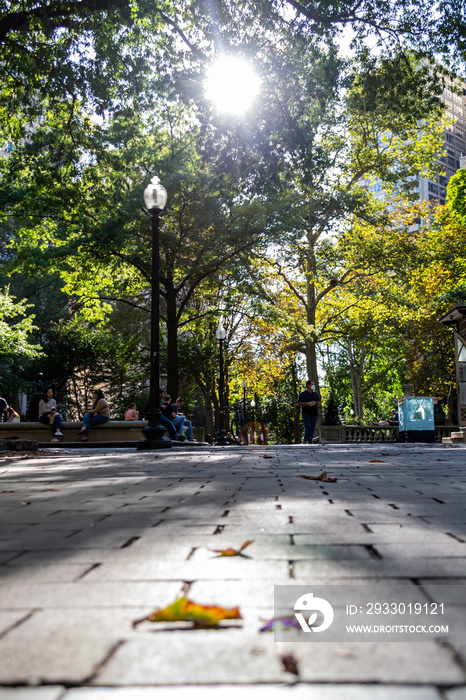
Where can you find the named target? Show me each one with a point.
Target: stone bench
(113, 431)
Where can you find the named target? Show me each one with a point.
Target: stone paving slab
(10, 618)
(48, 693)
(35, 649)
(93, 540)
(302, 692)
(87, 594)
(270, 692)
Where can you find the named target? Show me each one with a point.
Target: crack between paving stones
(19, 622)
(100, 665)
(458, 539)
(14, 556)
(191, 553)
(372, 551)
(457, 658)
(91, 568)
(76, 532)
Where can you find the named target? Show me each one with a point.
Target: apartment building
(454, 97)
(455, 143)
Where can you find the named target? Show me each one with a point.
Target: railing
(442, 431)
(373, 433)
(370, 433)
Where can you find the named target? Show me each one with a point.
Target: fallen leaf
(26, 503)
(280, 623)
(290, 664)
(372, 461)
(321, 477)
(9, 491)
(230, 552)
(184, 610)
(267, 456)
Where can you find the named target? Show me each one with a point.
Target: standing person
(309, 400)
(131, 413)
(48, 414)
(98, 414)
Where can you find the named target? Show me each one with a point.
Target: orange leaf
(184, 610)
(372, 461)
(321, 477)
(230, 552)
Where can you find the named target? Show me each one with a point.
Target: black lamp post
(155, 199)
(221, 435)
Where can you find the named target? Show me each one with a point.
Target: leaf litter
(231, 552)
(321, 477)
(185, 610)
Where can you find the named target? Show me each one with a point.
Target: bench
(113, 431)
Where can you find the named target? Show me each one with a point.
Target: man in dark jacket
(309, 400)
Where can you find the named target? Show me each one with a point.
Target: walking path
(91, 541)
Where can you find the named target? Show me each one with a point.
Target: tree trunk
(296, 423)
(311, 361)
(356, 372)
(209, 417)
(311, 350)
(172, 343)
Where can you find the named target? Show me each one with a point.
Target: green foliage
(439, 414)
(274, 201)
(15, 328)
(331, 413)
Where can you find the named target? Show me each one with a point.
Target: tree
(104, 50)
(15, 328)
(320, 150)
(16, 333)
(82, 216)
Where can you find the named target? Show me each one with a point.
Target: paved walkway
(92, 540)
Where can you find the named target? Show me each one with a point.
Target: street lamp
(155, 199)
(221, 435)
(253, 405)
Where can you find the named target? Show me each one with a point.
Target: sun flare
(231, 85)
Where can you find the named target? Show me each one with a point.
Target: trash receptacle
(416, 419)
